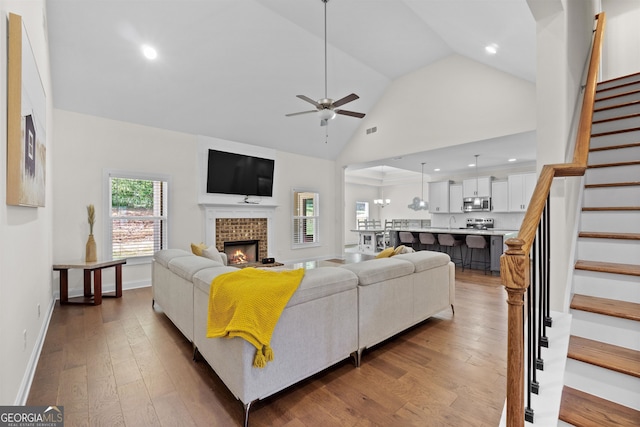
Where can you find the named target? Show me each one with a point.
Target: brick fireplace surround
(240, 222)
(234, 229)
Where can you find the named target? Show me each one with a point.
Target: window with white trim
(306, 219)
(137, 219)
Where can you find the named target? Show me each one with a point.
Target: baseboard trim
(27, 379)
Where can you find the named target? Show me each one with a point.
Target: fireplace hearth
(241, 251)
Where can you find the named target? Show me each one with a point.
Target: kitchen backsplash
(502, 221)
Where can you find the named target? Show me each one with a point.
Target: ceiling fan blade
(350, 113)
(309, 100)
(346, 99)
(301, 112)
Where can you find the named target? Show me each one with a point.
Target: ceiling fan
(327, 107)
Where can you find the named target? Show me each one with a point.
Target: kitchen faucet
(451, 217)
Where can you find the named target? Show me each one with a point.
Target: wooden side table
(88, 267)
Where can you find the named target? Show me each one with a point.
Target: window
(362, 211)
(305, 219)
(137, 215)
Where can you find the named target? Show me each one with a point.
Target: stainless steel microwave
(476, 204)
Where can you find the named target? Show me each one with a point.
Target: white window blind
(138, 217)
(305, 218)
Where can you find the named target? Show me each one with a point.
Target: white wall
(86, 147)
(454, 101)
(25, 233)
(621, 50)
(563, 44)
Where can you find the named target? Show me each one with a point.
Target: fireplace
(239, 222)
(241, 251)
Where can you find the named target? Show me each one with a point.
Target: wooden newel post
(514, 270)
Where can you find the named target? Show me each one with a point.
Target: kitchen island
(496, 236)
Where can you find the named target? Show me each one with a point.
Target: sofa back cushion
(165, 255)
(186, 267)
(425, 260)
(378, 270)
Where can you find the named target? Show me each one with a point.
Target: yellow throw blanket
(247, 303)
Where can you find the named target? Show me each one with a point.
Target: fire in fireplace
(241, 251)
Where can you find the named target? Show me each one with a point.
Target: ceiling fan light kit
(326, 107)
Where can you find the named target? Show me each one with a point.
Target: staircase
(602, 374)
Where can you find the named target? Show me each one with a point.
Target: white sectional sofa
(336, 312)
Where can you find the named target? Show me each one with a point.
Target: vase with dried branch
(91, 250)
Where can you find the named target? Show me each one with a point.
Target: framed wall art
(26, 121)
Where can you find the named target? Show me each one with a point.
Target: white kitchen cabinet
(477, 187)
(455, 198)
(439, 197)
(521, 188)
(500, 196)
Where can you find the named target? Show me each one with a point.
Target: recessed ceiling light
(512, 160)
(436, 170)
(471, 165)
(149, 52)
(491, 49)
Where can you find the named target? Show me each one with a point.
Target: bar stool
(406, 238)
(450, 244)
(427, 239)
(475, 243)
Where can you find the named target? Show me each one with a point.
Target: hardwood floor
(124, 363)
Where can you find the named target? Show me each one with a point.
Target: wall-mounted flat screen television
(231, 173)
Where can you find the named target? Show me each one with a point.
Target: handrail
(514, 263)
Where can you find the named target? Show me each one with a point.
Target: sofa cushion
(186, 267)
(321, 282)
(202, 279)
(425, 260)
(386, 253)
(378, 270)
(197, 248)
(165, 255)
(212, 253)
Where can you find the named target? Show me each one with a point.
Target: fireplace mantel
(239, 210)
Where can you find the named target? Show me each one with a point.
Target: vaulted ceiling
(232, 68)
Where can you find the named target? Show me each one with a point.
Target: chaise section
(317, 329)
(397, 293)
(385, 299)
(433, 283)
(174, 292)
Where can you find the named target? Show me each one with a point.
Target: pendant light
(423, 204)
(382, 201)
(476, 200)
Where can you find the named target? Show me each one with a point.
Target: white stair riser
(606, 285)
(608, 329)
(613, 222)
(607, 175)
(615, 139)
(616, 112)
(610, 385)
(616, 90)
(617, 82)
(618, 155)
(612, 196)
(617, 100)
(615, 125)
(609, 250)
